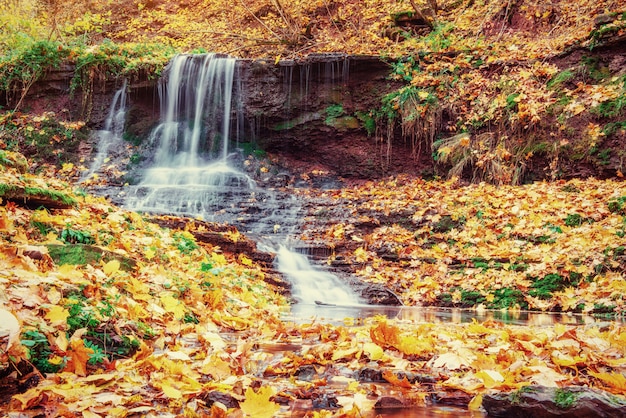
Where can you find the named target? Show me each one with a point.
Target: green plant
(368, 120)
(185, 242)
(115, 60)
(332, 112)
(610, 108)
(564, 399)
(508, 298)
(617, 205)
(132, 138)
(575, 219)
(610, 128)
(544, 287)
(21, 68)
(39, 351)
(81, 314)
(438, 39)
(98, 355)
(72, 236)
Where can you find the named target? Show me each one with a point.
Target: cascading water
(110, 136)
(192, 173)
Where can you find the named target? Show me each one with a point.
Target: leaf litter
(185, 329)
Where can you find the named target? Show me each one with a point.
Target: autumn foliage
(106, 312)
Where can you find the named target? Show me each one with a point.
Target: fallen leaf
(258, 404)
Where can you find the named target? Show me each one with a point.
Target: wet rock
(389, 402)
(379, 295)
(370, 375)
(215, 396)
(548, 402)
(325, 401)
(306, 372)
(452, 398)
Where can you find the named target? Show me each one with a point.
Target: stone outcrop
(311, 114)
(547, 402)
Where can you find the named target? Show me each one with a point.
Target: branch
(430, 20)
(260, 21)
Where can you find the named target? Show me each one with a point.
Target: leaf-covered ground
(556, 246)
(121, 316)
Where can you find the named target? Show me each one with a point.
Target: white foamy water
(311, 285)
(110, 136)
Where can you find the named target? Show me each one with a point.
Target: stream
(195, 172)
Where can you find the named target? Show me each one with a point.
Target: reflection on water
(426, 412)
(338, 313)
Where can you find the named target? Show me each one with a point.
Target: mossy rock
(81, 254)
(35, 197)
(545, 402)
(343, 123)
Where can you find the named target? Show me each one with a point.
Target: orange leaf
(385, 335)
(392, 378)
(78, 357)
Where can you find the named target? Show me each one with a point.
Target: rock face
(318, 114)
(311, 114)
(548, 402)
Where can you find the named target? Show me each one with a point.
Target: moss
(561, 78)
(508, 298)
(343, 123)
(564, 399)
(333, 112)
(81, 254)
(34, 196)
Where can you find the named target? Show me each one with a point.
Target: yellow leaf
(277, 60)
(361, 255)
(171, 392)
(149, 254)
(245, 260)
(111, 267)
(9, 328)
(490, 378)
(57, 315)
(475, 403)
(258, 404)
(613, 380)
(173, 305)
(374, 351)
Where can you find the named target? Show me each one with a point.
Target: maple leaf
(392, 378)
(258, 404)
(78, 357)
(385, 335)
(111, 267)
(173, 305)
(57, 315)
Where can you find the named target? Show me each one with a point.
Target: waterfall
(192, 173)
(111, 134)
(310, 284)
